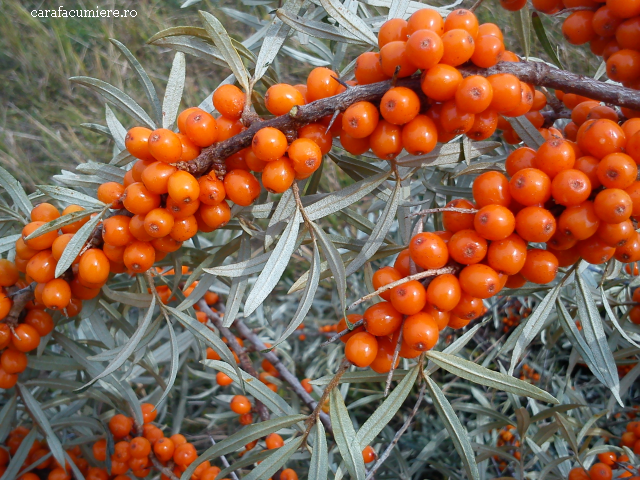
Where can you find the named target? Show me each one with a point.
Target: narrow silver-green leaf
(60, 222)
(118, 98)
(6, 415)
(16, 192)
(147, 85)
(17, 461)
(75, 245)
(277, 459)
(367, 376)
(140, 300)
(41, 419)
(70, 197)
(447, 154)
(318, 29)
(118, 132)
(456, 431)
(478, 374)
(242, 268)
(319, 466)
(222, 40)
(387, 410)
(9, 242)
(173, 93)
(345, 436)
(529, 134)
(175, 362)
(238, 286)
(614, 320)
(350, 21)
(273, 40)
(275, 266)
(334, 261)
(241, 438)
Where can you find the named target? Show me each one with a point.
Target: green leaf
(334, 261)
(118, 98)
(245, 461)
(41, 419)
(241, 438)
(273, 40)
(478, 374)
(345, 436)
(316, 29)
(140, 300)
(387, 410)
(18, 460)
(529, 134)
(9, 242)
(70, 197)
(175, 362)
(446, 154)
(276, 460)
(538, 27)
(367, 376)
(118, 132)
(456, 431)
(16, 192)
(350, 21)
(6, 415)
(275, 266)
(319, 466)
(222, 40)
(242, 268)
(76, 244)
(238, 286)
(614, 320)
(60, 222)
(523, 28)
(145, 81)
(173, 93)
(109, 173)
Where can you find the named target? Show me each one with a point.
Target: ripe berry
(458, 47)
(183, 188)
(240, 404)
(273, 441)
(361, 349)
(281, 98)
(530, 186)
(600, 471)
(139, 256)
(382, 319)
(454, 120)
(368, 69)
(120, 426)
(615, 234)
(617, 170)
(468, 308)
(228, 128)
(241, 187)
(137, 143)
(467, 247)
(223, 379)
(9, 274)
(535, 224)
(554, 156)
(165, 145)
(601, 137)
(425, 49)
(42, 267)
(419, 136)
(394, 29)
(40, 320)
(494, 222)
(140, 447)
(111, 192)
(409, 298)
(229, 100)
(269, 144)
(444, 292)
(488, 51)
(613, 205)
(321, 83)
(570, 187)
(318, 133)
(428, 251)
(56, 294)
(425, 19)
(164, 449)
(393, 56)
(185, 454)
(116, 232)
(386, 140)
(139, 200)
(491, 188)
(305, 156)
(474, 94)
(479, 281)
(41, 242)
(399, 105)
(360, 119)
(384, 276)
(595, 251)
(13, 361)
(184, 229)
(93, 268)
(420, 332)
(201, 129)
(540, 266)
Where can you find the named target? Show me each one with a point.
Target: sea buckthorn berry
(624, 65)
(393, 56)
(81, 292)
(223, 379)
(305, 156)
(115, 231)
(360, 119)
(508, 255)
(425, 19)
(617, 170)
(318, 133)
(7, 380)
(157, 223)
(9, 274)
(441, 82)
(526, 100)
(241, 187)
(530, 186)
(23, 252)
(634, 193)
(613, 205)
(342, 325)
(394, 29)
(273, 441)
(136, 228)
(240, 404)
(600, 471)
(570, 187)
(488, 51)
(184, 228)
(139, 200)
(428, 251)
(554, 156)
(201, 129)
(165, 244)
(419, 136)
(540, 266)
(149, 412)
(361, 349)
(382, 319)
(368, 69)
(5, 305)
(403, 263)
(139, 447)
(165, 145)
(357, 146)
(386, 140)
(399, 105)
(269, 144)
(156, 177)
(13, 361)
(464, 19)
(93, 267)
(444, 292)
(409, 298)
(229, 100)
(578, 29)
(183, 187)
(383, 277)
(120, 425)
(321, 83)
(215, 216)
(384, 357)
(535, 224)
(139, 256)
(279, 175)
(111, 192)
(474, 94)
(479, 281)
(458, 47)
(580, 112)
(455, 121)
(41, 242)
(578, 473)
(137, 143)
(566, 257)
(601, 137)
(281, 98)
(182, 118)
(491, 188)
(185, 454)
(42, 267)
(425, 49)
(138, 168)
(228, 128)
(615, 234)
(456, 221)
(494, 222)
(99, 450)
(420, 332)
(212, 190)
(519, 159)
(56, 294)
(164, 449)
(40, 320)
(467, 247)
(595, 251)
(589, 166)
(579, 222)
(44, 212)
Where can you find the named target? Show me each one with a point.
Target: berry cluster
(603, 469)
(528, 373)
(513, 315)
(507, 438)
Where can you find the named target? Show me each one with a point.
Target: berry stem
(396, 353)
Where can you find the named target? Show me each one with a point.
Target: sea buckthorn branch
(164, 470)
(424, 213)
(224, 461)
(240, 351)
(344, 332)
(389, 286)
(396, 354)
(20, 299)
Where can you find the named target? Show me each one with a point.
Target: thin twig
(225, 462)
(417, 276)
(166, 471)
(424, 213)
(396, 354)
(240, 351)
(341, 334)
(397, 436)
(475, 6)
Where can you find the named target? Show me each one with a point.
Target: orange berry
(139, 447)
(467, 247)
(305, 155)
(613, 205)
(201, 129)
(229, 100)
(595, 251)
(120, 426)
(488, 51)
(578, 27)
(394, 29)
(368, 69)
(185, 454)
(474, 94)
(139, 256)
(165, 145)
(241, 187)
(361, 349)
(458, 47)
(601, 137)
(93, 268)
(530, 186)
(139, 200)
(360, 119)
(425, 49)
(182, 118)
(491, 188)
(228, 128)
(508, 255)
(164, 449)
(615, 234)
(386, 140)
(158, 223)
(399, 105)
(110, 193)
(456, 221)
(41, 242)
(479, 281)
(554, 156)
(464, 19)
(600, 471)
(321, 83)
(441, 82)
(540, 266)
(281, 98)
(240, 404)
(223, 379)
(428, 251)
(420, 332)
(116, 232)
(409, 298)
(369, 454)
(519, 159)
(617, 170)
(579, 222)
(137, 143)
(56, 294)
(381, 319)
(535, 224)
(570, 187)
(494, 222)
(269, 144)
(273, 441)
(394, 56)
(444, 292)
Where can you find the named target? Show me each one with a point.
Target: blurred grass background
(41, 110)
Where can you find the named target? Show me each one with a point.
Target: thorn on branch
(333, 119)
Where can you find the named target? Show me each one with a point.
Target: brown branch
(240, 351)
(550, 116)
(20, 298)
(286, 375)
(537, 73)
(166, 471)
(341, 334)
